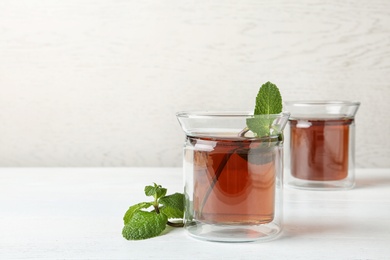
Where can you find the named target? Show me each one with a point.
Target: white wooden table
(76, 213)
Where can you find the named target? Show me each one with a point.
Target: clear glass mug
(232, 179)
(320, 151)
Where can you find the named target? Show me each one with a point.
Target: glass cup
(321, 150)
(232, 179)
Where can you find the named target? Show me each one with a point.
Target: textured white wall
(97, 83)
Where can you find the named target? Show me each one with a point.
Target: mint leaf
(141, 224)
(268, 101)
(144, 225)
(130, 212)
(156, 191)
(260, 125)
(173, 205)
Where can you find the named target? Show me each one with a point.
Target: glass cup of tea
(233, 180)
(320, 150)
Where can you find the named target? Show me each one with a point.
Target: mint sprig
(268, 101)
(142, 224)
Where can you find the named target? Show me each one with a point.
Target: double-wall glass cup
(320, 139)
(233, 179)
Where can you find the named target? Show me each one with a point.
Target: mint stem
(243, 132)
(172, 224)
(216, 177)
(156, 208)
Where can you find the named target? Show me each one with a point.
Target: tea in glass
(321, 144)
(233, 179)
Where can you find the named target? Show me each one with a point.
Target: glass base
(344, 184)
(234, 233)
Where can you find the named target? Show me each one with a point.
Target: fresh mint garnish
(173, 205)
(133, 209)
(143, 224)
(268, 101)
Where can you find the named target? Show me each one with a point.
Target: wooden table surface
(76, 213)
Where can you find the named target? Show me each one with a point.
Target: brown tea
(319, 149)
(234, 180)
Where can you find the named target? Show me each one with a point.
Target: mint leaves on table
(268, 101)
(143, 224)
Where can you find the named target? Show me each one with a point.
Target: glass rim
(321, 103)
(224, 114)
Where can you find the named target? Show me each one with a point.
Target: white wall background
(97, 83)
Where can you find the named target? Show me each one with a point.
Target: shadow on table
(312, 230)
(373, 181)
